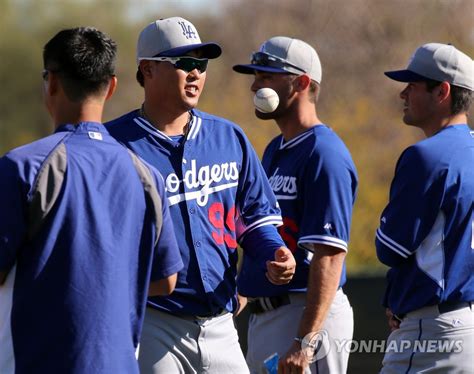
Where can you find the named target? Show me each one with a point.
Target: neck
(443, 122)
(75, 113)
(298, 121)
(170, 123)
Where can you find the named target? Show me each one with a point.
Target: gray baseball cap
(172, 37)
(440, 62)
(281, 54)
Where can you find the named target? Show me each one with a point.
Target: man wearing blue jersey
(219, 198)
(314, 179)
(84, 225)
(426, 231)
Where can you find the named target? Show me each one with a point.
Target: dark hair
(461, 98)
(84, 59)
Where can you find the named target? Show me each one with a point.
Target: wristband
(299, 340)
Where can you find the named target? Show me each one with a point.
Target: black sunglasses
(265, 59)
(185, 63)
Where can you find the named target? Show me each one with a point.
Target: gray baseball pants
(275, 330)
(430, 342)
(172, 344)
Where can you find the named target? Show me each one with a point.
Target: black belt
(265, 304)
(219, 313)
(445, 307)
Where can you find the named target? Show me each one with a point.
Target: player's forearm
(323, 282)
(163, 287)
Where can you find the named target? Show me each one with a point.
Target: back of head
(84, 59)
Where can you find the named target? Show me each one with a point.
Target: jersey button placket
(195, 218)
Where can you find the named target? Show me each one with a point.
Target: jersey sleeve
(262, 241)
(167, 258)
(415, 200)
(328, 188)
(256, 203)
(12, 213)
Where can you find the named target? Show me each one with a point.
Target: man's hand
(242, 304)
(281, 270)
(393, 322)
(295, 361)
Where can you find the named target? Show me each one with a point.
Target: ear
(302, 82)
(112, 87)
(146, 68)
(53, 84)
(444, 91)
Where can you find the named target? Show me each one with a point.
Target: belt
(265, 304)
(191, 317)
(260, 305)
(442, 308)
(219, 313)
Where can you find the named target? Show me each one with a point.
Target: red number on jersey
(216, 217)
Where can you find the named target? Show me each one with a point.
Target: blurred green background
(356, 40)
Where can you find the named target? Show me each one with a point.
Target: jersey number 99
(225, 232)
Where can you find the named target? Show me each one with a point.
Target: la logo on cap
(188, 30)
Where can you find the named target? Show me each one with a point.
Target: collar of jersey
(295, 141)
(195, 126)
(82, 126)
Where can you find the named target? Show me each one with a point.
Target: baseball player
(314, 179)
(219, 198)
(83, 226)
(426, 231)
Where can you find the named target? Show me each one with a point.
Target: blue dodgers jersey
(315, 181)
(217, 191)
(78, 239)
(426, 230)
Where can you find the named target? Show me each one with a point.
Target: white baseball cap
(282, 54)
(172, 37)
(440, 62)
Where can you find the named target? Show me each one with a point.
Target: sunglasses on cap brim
(266, 59)
(185, 63)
